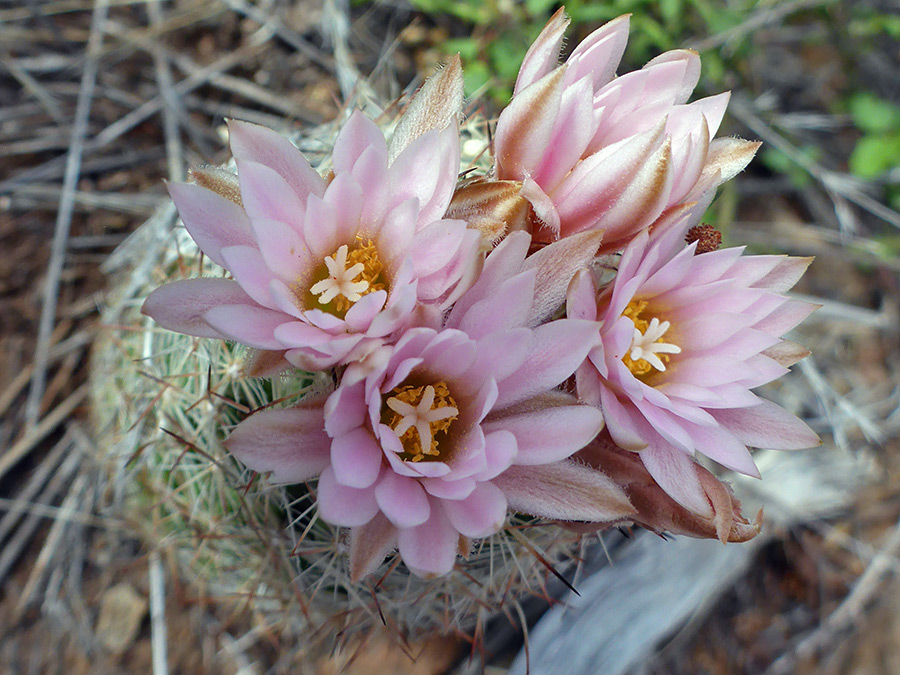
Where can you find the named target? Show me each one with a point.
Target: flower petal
(674, 471)
(248, 324)
(768, 425)
(436, 105)
(289, 442)
(258, 144)
(180, 305)
(344, 506)
(481, 514)
(429, 550)
(267, 195)
(212, 221)
(402, 500)
(356, 458)
(369, 544)
(564, 490)
(557, 349)
(550, 434)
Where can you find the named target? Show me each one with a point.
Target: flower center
(346, 276)
(420, 416)
(648, 351)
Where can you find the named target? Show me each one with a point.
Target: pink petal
(674, 471)
(437, 104)
(556, 264)
(320, 228)
(564, 490)
(369, 544)
(371, 173)
(505, 261)
(345, 197)
(783, 277)
(506, 309)
(402, 500)
(248, 268)
(345, 409)
(450, 354)
(396, 234)
(180, 305)
(250, 325)
(502, 353)
(344, 506)
(581, 301)
(768, 426)
(429, 550)
(557, 349)
(212, 221)
(600, 52)
(597, 181)
(573, 130)
(448, 489)
(542, 205)
(525, 126)
(267, 195)
(719, 444)
(551, 434)
(282, 249)
(255, 143)
(427, 169)
(360, 316)
(622, 421)
(543, 54)
(358, 134)
(690, 60)
(290, 442)
(500, 450)
(481, 514)
(355, 458)
(434, 246)
(640, 203)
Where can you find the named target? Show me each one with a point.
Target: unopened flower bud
(493, 207)
(221, 181)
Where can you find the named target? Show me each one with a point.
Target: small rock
(121, 613)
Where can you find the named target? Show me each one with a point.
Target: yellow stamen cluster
(404, 412)
(649, 350)
(345, 276)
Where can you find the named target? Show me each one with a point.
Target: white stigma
(645, 346)
(420, 416)
(340, 279)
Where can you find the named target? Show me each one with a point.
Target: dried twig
(848, 613)
(64, 216)
(37, 433)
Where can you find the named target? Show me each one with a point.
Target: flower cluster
(477, 348)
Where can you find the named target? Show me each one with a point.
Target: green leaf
(779, 162)
(476, 75)
(506, 57)
(539, 8)
(466, 47)
(874, 115)
(874, 154)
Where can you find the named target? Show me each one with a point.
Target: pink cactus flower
(685, 337)
(595, 151)
(323, 270)
(459, 422)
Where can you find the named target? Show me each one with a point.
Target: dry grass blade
(36, 434)
(14, 547)
(172, 110)
(848, 613)
(158, 627)
(64, 215)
